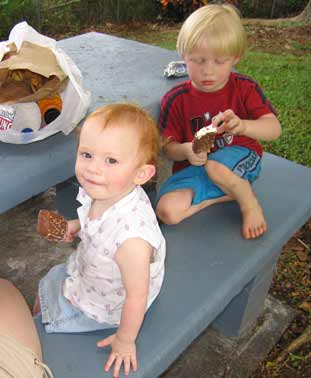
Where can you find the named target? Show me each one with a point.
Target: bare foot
(36, 307)
(254, 223)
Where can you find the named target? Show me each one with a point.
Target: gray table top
(114, 69)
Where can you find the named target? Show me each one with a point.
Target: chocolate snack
(204, 140)
(51, 225)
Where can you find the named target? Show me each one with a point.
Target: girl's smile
(107, 161)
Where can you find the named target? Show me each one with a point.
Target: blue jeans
(58, 314)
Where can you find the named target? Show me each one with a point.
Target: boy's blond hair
(219, 25)
(130, 115)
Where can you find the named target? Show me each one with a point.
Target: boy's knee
(167, 216)
(214, 169)
(220, 174)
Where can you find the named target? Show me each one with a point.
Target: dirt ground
(292, 281)
(278, 39)
(291, 357)
(272, 36)
(25, 256)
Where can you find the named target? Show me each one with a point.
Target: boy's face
(207, 71)
(107, 164)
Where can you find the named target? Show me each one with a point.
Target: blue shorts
(58, 314)
(242, 161)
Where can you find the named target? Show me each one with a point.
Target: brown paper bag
(30, 75)
(33, 67)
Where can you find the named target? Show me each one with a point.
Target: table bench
(213, 277)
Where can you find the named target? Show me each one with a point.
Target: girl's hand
(194, 159)
(122, 352)
(73, 227)
(231, 123)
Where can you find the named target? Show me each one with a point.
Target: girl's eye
(110, 160)
(220, 61)
(86, 155)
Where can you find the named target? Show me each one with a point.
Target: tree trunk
(305, 15)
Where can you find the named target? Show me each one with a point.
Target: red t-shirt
(184, 109)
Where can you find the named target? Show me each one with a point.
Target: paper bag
(40, 62)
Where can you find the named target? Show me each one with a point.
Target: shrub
(12, 12)
(179, 10)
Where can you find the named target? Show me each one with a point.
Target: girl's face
(207, 71)
(107, 164)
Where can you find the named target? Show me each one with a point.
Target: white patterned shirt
(95, 284)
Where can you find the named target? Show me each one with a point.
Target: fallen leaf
(306, 306)
(296, 293)
(298, 248)
(302, 256)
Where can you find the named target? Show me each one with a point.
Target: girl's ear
(144, 174)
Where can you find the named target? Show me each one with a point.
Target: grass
(162, 38)
(286, 81)
(299, 46)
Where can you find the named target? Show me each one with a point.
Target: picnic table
(114, 69)
(213, 276)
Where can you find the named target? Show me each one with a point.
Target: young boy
(212, 41)
(118, 268)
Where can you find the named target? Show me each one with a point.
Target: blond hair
(219, 25)
(130, 115)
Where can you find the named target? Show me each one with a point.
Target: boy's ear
(236, 60)
(144, 174)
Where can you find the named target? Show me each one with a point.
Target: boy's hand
(122, 353)
(73, 227)
(231, 123)
(195, 159)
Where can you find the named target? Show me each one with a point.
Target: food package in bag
(41, 88)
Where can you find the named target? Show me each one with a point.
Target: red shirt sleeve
(172, 119)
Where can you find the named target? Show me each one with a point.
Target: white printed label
(7, 114)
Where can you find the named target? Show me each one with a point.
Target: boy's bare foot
(254, 223)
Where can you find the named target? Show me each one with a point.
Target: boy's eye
(220, 61)
(198, 61)
(110, 160)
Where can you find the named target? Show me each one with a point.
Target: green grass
(299, 46)
(286, 81)
(165, 39)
